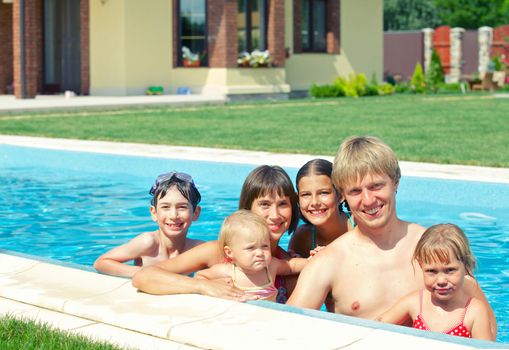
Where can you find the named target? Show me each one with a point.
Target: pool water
(74, 206)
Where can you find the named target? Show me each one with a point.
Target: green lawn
(471, 129)
(18, 334)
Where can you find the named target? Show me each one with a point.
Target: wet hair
(439, 241)
(242, 221)
(359, 156)
(269, 180)
(186, 189)
(317, 167)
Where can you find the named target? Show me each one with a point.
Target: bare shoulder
(145, 241)
(300, 242)
(191, 243)
(415, 229)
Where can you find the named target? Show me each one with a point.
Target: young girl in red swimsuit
(445, 258)
(245, 240)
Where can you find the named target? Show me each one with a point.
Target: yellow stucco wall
(131, 49)
(361, 47)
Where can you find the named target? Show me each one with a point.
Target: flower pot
(189, 63)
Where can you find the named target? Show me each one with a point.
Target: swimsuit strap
(466, 308)
(345, 209)
(313, 237)
(420, 303)
(267, 273)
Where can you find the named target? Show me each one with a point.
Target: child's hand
(315, 251)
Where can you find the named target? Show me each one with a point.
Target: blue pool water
(73, 206)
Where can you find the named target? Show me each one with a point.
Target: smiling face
(318, 199)
(277, 213)
(372, 201)
(444, 279)
(249, 249)
(174, 214)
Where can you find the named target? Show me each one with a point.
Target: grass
(18, 334)
(471, 129)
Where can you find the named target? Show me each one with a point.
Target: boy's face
(174, 213)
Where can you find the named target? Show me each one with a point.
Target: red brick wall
(276, 32)
(84, 47)
(222, 32)
(297, 19)
(33, 47)
(6, 69)
(333, 26)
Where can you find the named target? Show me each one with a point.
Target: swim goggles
(168, 176)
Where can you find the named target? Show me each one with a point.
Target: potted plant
(190, 59)
(254, 59)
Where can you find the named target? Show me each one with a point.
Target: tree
(472, 14)
(409, 14)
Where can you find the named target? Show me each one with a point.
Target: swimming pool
(73, 206)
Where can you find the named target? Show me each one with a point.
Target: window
(314, 25)
(252, 25)
(192, 29)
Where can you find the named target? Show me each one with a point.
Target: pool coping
(61, 295)
(429, 170)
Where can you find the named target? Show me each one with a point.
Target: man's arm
(165, 277)
(474, 290)
(314, 282)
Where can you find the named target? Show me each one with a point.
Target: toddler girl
(245, 242)
(445, 258)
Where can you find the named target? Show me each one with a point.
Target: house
(121, 47)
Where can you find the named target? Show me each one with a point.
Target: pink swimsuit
(459, 330)
(265, 292)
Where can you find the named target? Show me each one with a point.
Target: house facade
(122, 47)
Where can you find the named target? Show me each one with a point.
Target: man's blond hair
(359, 156)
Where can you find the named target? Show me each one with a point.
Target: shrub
(354, 86)
(386, 89)
(450, 87)
(325, 91)
(402, 87)
(417, 84)
(372, 88)
(435, 74)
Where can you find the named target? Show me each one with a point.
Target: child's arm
(113, 261)
(289, 267)
(481, 320)
(214, 272)
(399, 313)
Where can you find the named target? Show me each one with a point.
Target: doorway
(62, 66)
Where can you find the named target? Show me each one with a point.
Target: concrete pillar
(485, 37)
(428, 47)
(456, 36)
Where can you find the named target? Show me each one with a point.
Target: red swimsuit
(459, 330)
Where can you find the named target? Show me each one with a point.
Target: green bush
(402, 87)
(417, 84)
(435, 74)
(354, 86)
(326, 91)
(386, 89)
(450, 87)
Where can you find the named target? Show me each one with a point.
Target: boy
(174, 206)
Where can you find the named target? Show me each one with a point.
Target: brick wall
(33, 47)
(297, 33)
(6, 68)
(222, 33)
(276, 32)
(84, 47)
(333, 26)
